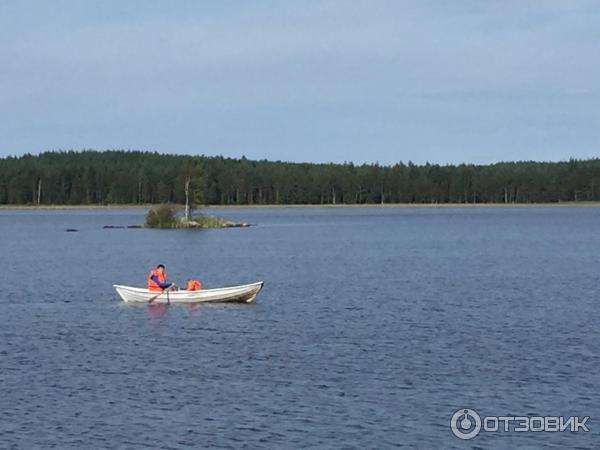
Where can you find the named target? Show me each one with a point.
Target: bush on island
(162, 216)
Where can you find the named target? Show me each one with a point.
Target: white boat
(246, 293)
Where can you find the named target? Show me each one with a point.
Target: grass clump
(201, 221)
(206, 221)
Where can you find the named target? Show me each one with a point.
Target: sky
(332, 80)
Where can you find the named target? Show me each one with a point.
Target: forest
(133, 177)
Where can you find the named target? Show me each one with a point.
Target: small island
(169, 216)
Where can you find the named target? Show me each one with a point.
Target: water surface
(374, 327)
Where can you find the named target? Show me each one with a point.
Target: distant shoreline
(591, 204)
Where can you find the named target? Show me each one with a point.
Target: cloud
(325, 80)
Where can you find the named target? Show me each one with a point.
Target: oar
(161, 293)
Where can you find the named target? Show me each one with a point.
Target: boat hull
(241, 294)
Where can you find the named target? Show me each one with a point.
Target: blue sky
(362, 81)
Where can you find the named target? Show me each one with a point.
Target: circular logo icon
(465, 423)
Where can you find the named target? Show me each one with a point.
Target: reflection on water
(156, 310)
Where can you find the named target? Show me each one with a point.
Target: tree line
(133, 177)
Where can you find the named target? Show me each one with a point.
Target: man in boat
(157, 280)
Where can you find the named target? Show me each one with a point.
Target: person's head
(160, 268)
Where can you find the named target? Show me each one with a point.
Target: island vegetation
(142, 178)
(168, 216)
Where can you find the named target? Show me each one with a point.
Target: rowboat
(246, 293)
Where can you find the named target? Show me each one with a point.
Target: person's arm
(162, 285)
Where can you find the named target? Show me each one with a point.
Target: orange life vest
(152, 285)
(194, 285)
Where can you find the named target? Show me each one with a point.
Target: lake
(374, 326)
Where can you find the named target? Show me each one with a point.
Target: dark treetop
(133, 177)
